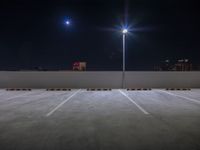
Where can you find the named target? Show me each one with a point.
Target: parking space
(104, 120)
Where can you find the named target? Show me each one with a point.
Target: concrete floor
(100, 120)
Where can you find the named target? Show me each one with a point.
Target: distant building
(180, 65)
(183, 65)
(164, 66)
(79, 66)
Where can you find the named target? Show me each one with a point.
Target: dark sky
(33, 33)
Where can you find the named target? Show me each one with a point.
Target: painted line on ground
(62, 103)
(1, 93)
(183, 97)
(44, 94)
(197, 93)
(47, 93)
(131, 100)
(24, 94)
(37, 96)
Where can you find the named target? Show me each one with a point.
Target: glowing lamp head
(67, 23)
(124, 31)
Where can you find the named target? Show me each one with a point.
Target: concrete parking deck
(100, 120)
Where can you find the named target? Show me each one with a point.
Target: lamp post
(124, 31)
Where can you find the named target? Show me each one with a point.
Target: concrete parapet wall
(98, 79)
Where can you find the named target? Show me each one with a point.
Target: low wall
(163, 79)
(112, 79)
(60, 79)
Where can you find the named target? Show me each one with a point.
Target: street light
(67, 22)
(124, 32)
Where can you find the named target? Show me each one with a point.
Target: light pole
(124, 31)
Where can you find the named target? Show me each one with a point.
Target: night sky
(34, 34)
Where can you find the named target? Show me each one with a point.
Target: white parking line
(1, 93)
(18, 96)
(62, 103)
(187, 98)
(130, 99)
(43, 94)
